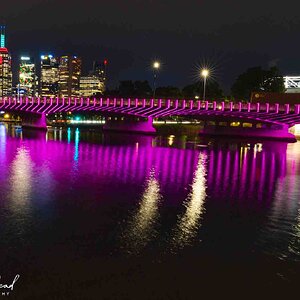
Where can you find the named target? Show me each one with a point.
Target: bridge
(218, 118)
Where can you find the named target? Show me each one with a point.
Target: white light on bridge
(25, 58)
(291, 82)
(297, 130)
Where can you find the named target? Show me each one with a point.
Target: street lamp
(204, 74)
(156, 66)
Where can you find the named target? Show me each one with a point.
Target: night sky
(229, 35)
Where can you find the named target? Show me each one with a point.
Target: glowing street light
(156, 66)
(204, 74)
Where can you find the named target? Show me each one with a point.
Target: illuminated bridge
(217, 118)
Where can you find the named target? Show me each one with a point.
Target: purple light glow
(284, 115)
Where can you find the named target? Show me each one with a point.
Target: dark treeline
(253, 79)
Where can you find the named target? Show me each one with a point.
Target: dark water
(91, 216)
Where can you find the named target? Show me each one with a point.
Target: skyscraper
(27, 76)
(5, 73)
(49, 76)
(99, 70)
(5, 66)
(2, 36)
(94, 84)
(69, 75)
(91, 86)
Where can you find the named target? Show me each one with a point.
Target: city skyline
(52, 77)
(128, 36)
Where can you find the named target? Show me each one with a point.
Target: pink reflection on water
(235, 174)
(262, 176)
(229, 173)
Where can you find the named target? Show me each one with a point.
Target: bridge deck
(158, 108)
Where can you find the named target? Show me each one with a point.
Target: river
(88, 215)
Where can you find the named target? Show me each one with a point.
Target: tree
(168, 92)
(142, 89)
(273, 81)
(126, 88)
(213, 90)
(111, 92)
(257, 79)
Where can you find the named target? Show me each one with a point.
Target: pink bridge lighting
(281, 114)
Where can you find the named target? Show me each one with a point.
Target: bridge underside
(31, 120)
(249, 132)
(129, 124)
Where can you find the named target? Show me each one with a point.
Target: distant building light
(291, 82)
(2, 41)
(25, 58)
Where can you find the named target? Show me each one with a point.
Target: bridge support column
(268, 131)
(130, 124)
(34, 121)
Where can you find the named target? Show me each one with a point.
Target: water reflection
(69, 135)
(281, 234)
(2, 142)
(21, 189)
(189, 223)
(294, 246)
(142, 226)
(255, 181)
(3, 157)
(21, 178)
(76, 150)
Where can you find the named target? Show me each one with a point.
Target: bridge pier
(130, 124)
(34, 121)
(273, 132)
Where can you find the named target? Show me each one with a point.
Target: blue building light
(2, 36)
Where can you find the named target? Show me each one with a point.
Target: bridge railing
(26, 103)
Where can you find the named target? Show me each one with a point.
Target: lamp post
(204, 74)
(156, 66)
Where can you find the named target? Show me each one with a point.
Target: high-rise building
(91, 86)
(5, 66)
(99, 70)
(49, 76)
(27, 76)
(69, 75)
(5, 73)
(94, 84)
